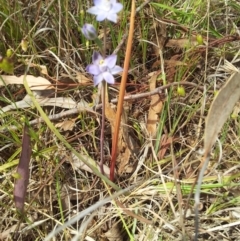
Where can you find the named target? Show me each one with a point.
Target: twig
(99, 106)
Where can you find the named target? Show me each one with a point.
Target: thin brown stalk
(122, 91)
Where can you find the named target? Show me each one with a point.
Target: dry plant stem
(122, 92)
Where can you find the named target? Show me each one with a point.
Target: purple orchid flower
(106, 9)
(89, 31)
(103, 69)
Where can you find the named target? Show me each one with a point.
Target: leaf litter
(183, 60)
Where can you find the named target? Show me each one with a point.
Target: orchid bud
(89, 31)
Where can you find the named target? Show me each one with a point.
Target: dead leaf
(35, 83)
(169, 63)
(63, 102)
(123, 151)
(123, 160)
(114, 233)
(164, 145)
(171, 68)
(66, 125)
(6, 234)
(182, 43)
(43, 68)
(220, 110)
(155, 106)
(82, 79)
(21, 183)
(78, 164)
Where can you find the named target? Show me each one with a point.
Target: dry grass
(160, 205)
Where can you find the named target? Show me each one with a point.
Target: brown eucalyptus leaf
(21, 183)
(220, 110)
(155, 106)
(66, 125)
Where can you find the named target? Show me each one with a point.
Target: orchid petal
(93, 10)
(93, 69)
(96, 58)
(97, 79)
(98, 2)
(106, 9)
(103, 68)
(112, 17)
(101, 15)
(111, 60)
(104, 5)
(116, 69)
(117, 7)
(108, 77)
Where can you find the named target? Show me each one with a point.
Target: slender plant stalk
(104, 86)
(122, 92)
(102, 126)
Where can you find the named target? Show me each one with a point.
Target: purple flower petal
(112, 17)
(97, 2)
(117, 69)
(108, 77)
(97, 79)
(103, 69)
(104, 5)
(106, 9)
(96, 58)
(111, 60)
(117, 7)
(93, 69)
(101, 16)
(93, 10)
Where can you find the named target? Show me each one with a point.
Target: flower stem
(102, 127)
(104, 86)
